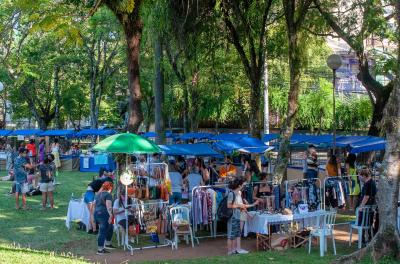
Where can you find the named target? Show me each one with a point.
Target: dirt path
(206, 248)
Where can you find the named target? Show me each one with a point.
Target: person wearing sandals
(46, 183)
(21, 177)
(236, 203)
(103, 215)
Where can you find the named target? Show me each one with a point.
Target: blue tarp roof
(370, 144)
(229, 136)
(60, 133)
(200, 149)
(5, 132)
(356, 143)
(346, 141)
(269, 137)
(320, 139)
(246, 144)
(26, 132)
(95, 132)
(154, 134)
(194, 135)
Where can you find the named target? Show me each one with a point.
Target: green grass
(45, 230)
(23, 256)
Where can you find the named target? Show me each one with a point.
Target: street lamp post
(334, 62)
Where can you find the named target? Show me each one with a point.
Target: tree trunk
(159, 91)
(92, 93)
(57, 96)
(185, 109)
(266, 97)
(132, 26)
(255, 114)
(286, 132)
(377, 114)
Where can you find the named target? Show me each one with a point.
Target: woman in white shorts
(46, 183)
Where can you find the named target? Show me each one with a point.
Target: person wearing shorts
(46, 184)
(21, 178)
(89, 198)
(235, 202)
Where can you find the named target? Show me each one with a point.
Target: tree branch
(236, 39)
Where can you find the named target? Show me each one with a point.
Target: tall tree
(387, 242)
(295, 13)
(128, 15)
(101, 43)
(246, 22)
(356, 22)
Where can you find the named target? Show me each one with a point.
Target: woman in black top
(262, 189)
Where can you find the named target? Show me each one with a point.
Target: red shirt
(32, 149)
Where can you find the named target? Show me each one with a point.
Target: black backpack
(224, 213)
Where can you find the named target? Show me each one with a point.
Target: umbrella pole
(129, 247)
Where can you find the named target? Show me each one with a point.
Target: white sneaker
(242, 251)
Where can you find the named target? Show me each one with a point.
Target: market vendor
(228, 169)
(261, 190)
(119, 211)
(368, 194)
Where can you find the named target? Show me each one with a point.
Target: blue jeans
(176, 197)
(105, 230)
(312, 174)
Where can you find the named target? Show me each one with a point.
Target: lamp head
(334, 61)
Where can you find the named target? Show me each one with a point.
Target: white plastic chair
(323, 230)
(365, 223)
(184, 212)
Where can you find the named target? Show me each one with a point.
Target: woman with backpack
(236, 204)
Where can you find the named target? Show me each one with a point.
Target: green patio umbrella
(127, 143)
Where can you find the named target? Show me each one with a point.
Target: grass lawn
(23, 256)
(48, 240)
(45, 230)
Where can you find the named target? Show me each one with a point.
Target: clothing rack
(335, 178)
(139, 206)
(290, 183)
(213, 225)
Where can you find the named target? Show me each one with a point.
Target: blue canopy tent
(5, 132)
(26, 132)
(246, 144)
(226, 146)
(95, 132)
(300, 139)
(149, 134)
(320, 139)
(347, 141)
(270, 137)
(154, 134)
(371, 144)
(229, 136)
(200, 150)
(58, 133)
(194, 135)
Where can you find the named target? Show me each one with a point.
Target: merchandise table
(77, 210)
(260, 223)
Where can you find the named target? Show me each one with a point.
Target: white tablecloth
(77, 210)
(258, 223)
